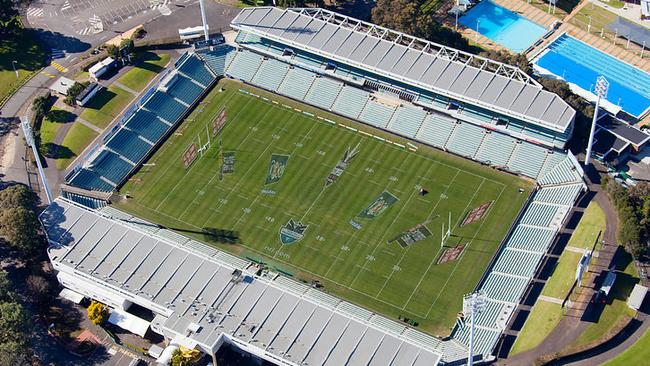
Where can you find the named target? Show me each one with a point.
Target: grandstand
(463, 104)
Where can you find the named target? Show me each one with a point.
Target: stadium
(321, 190)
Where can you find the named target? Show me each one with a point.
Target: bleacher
(407, 120)
(90, 181)
(165, 106)
(271, 74)
(129, 145)
(92, 203)
(297, 83)
(528, 159)
(436, 129)
(539, 214)
(147, 125)
(218, 59)
(195, 69)
(244, 65)
(496, 149)
(110, 166)
(185, 90)
(377, 114)
(323, 92)
(351, 102)
(466, 139)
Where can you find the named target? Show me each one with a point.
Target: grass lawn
(282, 160)
(106, 105)
(638, 354)
(591, 223)
(562, 9)
(543, 318)
(29, 56)
(563, 277)
(75, 141)
(617, 311)
(149, 64)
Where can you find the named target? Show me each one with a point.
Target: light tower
(204, 20)
(602, 85)
(473, 304)
(29, 138)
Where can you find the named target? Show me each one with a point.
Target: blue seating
(496, 149)
(185, 90)
(478, 114)
(436, 129)
(323, 92)
(297, 83)
(217, 59)
(129, 145)
(351, 102)
(271, 74)
(245, 65)
(147, 125)
(166, 107)
(89, 180)
(111, 167)
(195, 68)
(466, 139)
(407, 120)
(89, 202)
(377, 114)
(528, 159)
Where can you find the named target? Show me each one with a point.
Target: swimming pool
(580, 64)
(503, 26)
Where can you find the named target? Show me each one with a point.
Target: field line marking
(187, 171)
(428, 218)
(461, 257)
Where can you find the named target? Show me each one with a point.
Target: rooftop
(440, 69)
(191, 284)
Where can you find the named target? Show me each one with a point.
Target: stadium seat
(271, 74)
(562, 172)
(323, 92)
(195, 69)
(185, 90)
(496, 149)
(297, 83)
(377, 114)
(351, 102)
(166, 107)
(129, 145)
(436, 129)
(517, 262)
(245, 65)
(539, 214)
(466, 139)
(561, 195)
(146, 124)
(111, 167)
(534, 239)
(89, 180)
(217, 59)
(527, 159)
(407, 120)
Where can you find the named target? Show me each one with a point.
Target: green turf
(638, 354)
(148, 65)
(75, 141)
(542, 319)
(359, 265)
(29, 56)
(563, 277)
(106, 105)
(591, 224)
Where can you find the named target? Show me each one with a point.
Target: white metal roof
(444, 70)
(186, 280)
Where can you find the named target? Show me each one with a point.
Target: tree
(13, 322)
(40, 106)
(401, 15)
(19, 227)
(97, 312)
(9, 20)
(13, 353)
(6, 289)
(39, 288)
(18, 195)
(74, 91)
(515, 59)
(113, 51)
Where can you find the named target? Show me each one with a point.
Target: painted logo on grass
(341, 165)
(228, 166)
(276, 169)
(292, 232)
(412, 235)
(375, 208)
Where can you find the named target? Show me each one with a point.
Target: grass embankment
(638, 354)
(76, 140)
(106, 105)
(149, 64)
(29, 56)
(543, 318)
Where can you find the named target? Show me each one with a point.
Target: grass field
(360, 265)
(29, 56)
(75, 141)
(148, 65)
(543, 318)
(106, 105)
(638, 354)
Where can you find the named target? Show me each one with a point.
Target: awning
(73, 296)
(637, 296)
(129, 322)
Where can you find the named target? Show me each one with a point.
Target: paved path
(90, 125)
(550, 299)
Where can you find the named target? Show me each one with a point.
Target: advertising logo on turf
(292, 232)
(276, 169)
(379, 205)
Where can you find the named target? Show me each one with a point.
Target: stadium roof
(425, 64)
(192, 284)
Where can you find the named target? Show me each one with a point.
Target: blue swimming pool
(580, 64)
(503, 26)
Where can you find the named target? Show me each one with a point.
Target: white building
(100, 68)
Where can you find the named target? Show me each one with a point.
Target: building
(100, 68)
(61, 85)
(88, 93)
(200, 297)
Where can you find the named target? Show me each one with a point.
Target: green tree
(18, 195)
(13, 321)
(40, 106)
(74, 91)
(13, 353)
(113, 51)
(9, 19)
(6, 289)
(515, 59)
(19, 226)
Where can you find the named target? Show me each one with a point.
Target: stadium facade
(463, 104)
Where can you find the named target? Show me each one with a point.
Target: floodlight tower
(204, 20)
(473, 304)
(602, 85)
(29, 137)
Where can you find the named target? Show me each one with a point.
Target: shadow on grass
(146, 62)
(56, 151)
(100, 100)
(22, 48)
(61, 116)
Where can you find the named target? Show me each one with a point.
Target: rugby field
(276, 206)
